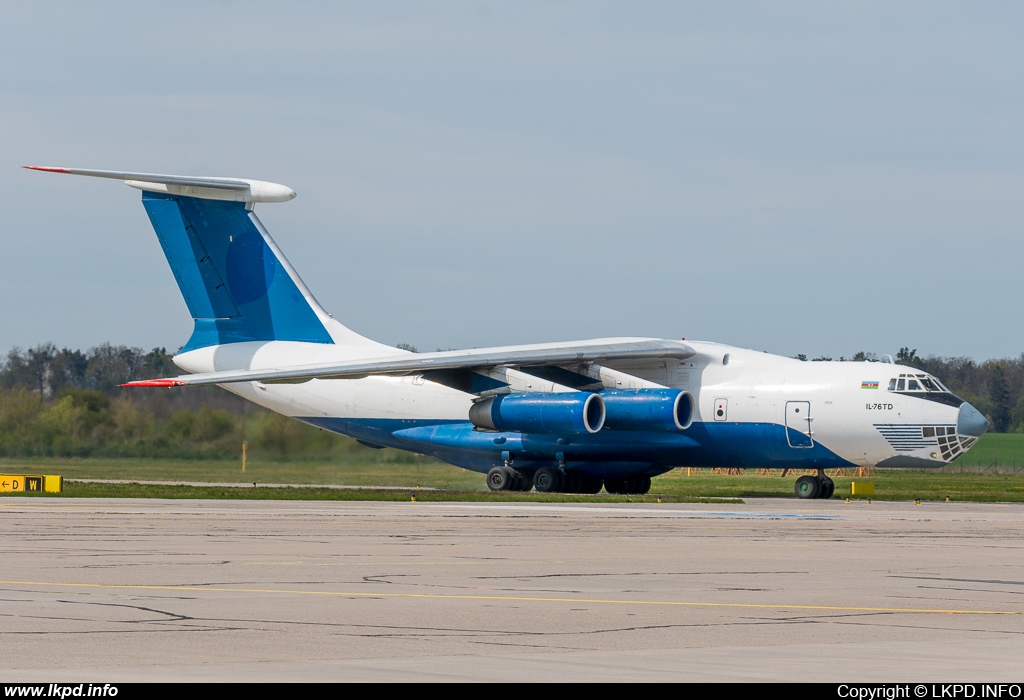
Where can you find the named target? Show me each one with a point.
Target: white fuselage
(845, 407)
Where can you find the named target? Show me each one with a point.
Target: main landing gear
(819, 486)
(508, 479)
(558, 480)
(636, 484)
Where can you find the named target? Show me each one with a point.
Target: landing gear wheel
(547, 480)
(523, 481)
(571, 483)
(591, 484)
(828, 487)
(634, 485)
(807, 486)
(615, 485)
(500, 479)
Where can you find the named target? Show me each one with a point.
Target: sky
(817, 178)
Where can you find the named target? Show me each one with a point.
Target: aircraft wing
(547, 354)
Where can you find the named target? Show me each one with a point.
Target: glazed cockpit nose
(971, 422)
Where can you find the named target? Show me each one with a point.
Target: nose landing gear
(819, 486)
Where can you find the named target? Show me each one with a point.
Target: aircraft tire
(643, 484)
(828, 487)
(572, 483)
(523, 481)
(547, 480)
(807, 486)
(500, 479)
(634, 485)
(591, 484)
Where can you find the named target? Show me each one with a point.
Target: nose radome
(971, 422)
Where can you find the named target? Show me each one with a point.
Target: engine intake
(538, 412)
(647, 409)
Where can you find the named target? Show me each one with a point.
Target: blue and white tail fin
(237, 284)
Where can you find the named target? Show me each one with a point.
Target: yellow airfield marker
(12, 483)
(862, 488)
(31, 483)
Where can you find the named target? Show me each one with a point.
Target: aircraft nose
(971, 422)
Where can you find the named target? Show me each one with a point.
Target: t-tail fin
(234, 280)
(237, 284)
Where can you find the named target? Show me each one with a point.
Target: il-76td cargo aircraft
(571, 416)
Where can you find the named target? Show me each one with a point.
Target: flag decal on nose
(869, 385)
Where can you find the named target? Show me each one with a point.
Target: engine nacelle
(647, 409)
(576, 412)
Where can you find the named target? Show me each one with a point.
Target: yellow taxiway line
(511, 599)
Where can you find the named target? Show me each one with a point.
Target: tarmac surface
(111, 590)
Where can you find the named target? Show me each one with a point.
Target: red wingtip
(156, 382)
(45, 169)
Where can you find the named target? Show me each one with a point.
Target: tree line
(69, 403)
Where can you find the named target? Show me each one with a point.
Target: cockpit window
(917, 382)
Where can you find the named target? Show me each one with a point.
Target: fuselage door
(798, 424)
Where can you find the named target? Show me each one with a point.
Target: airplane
(556, 417)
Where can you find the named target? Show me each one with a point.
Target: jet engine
(576, 412)
(647, 409)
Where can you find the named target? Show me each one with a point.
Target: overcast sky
(793, 177)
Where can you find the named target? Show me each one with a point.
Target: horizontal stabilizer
(220, 188)
(165, 383)
(543, 354)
